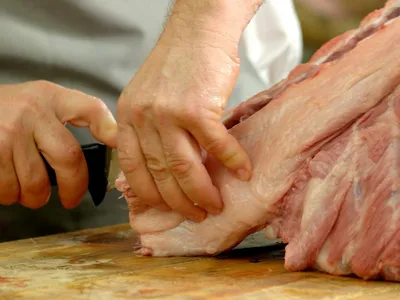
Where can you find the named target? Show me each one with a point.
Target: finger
(168, 187)
(65, 156)
(136, 206)
(184, 161)
(31, 172)
(82, 110)
(134, 168)
(9, 186)
(216, 140)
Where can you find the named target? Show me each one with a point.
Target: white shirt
(96, 46)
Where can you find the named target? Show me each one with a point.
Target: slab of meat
(325, 146)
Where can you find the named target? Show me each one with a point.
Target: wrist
(218, 23)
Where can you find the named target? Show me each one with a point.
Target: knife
(103, 169)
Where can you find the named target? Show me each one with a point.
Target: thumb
(82, 110)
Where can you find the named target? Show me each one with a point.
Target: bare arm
(218, 23)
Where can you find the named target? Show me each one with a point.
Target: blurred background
(322, 20)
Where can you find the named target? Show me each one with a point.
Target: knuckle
(43, 85)
(157, 168)
(188, 115)
(193, 113)
(214, 146)
(73, 154)
(7, 133)
(139, 113)
(99, 104)
(139, 110)
(26, 105)
(37, 185)
(165, 115)
(229, 157)
(205, 118)
(129, 163)
(161, 110)
(180, 167)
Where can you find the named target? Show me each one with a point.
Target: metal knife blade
(103, 169)
(113, 168)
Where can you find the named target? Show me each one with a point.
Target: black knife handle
(96, 160)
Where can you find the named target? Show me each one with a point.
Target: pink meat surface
(325, 146)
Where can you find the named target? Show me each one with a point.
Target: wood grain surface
(99, 264)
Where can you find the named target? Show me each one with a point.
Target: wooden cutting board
(100, 264)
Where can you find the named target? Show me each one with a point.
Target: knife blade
(103, 170)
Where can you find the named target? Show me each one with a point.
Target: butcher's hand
(32, 122)
(172, 108)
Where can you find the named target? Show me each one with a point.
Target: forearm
(215, 22)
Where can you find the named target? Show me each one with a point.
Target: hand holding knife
(103, 168)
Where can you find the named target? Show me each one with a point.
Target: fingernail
(243, 174)
(214, 210)
(198, 218)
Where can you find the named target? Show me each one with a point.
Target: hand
(32, 118)
(169, 111)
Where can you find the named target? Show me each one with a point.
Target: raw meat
(325, 146)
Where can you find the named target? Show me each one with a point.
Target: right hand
(32, 121)
(172, 108)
